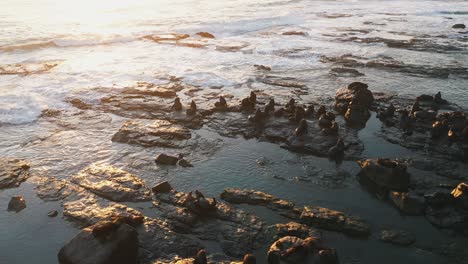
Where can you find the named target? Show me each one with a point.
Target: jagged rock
(253, 197)
(325, 218)
(162, 187)
(88, 211)
(184, 163)
(386, 173)
(356, 92)
(117, 246)
(460, 194)
(16, 204)
(205, 35)
(13, 172)
(288, 249)
(165, 159)
(112, 183)
(408, 202)
(446, 217)
(277, 231)
(158, 133)
(51, 189)
(397, 237)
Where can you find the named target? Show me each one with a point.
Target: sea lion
(299, 114)
(221, 103)
(415, 107)
(332, 130)
(177, 105)
(337, 152)
(301, 128)
(324, 122)
(253, 97)
(200, 258)
(257, 117)
(193, 108)
(270, 107)
(247, 104)
(321, 111)
(310, 110)
(279, 112)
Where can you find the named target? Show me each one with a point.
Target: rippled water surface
(51, 51)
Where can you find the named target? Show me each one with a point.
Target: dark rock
(112, 183)
(270, 107)
(221, 103)
(162, 187)
(397, 237)
(193, 108)
(119, 245)
(184, 163)
(277, 231)
(357, 115)
(459, 26)
(257, 117)
(408, 202)
(200, 258)
(337, 152)
(356, 92)
(328, 219)
(386, 173)
(16, 204)
(328, 256)
(324, 122)
(165, 159)
(52, 213)
(294, 33)
(301, 128)
(249, 259)
(262, 67)
(205, 35)
(439, 199)
(13, 172)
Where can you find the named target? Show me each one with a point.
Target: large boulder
(112, 183)
(164, 159)
(328, 219)
(114, 244)
(386, 173)
(355, 92)
(13, 172)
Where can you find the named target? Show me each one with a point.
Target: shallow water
(99, 44)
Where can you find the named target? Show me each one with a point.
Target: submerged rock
(52, 213)
(408, 202)
(386, 173)
(328, 219)
(119, 245)
(397, 237)
(13, 172)
(165, 159)
(112, 183)
(459, 26)
(16, 204)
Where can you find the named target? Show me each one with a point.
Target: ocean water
(51, 51)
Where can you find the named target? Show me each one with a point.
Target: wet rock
(387, 113)
(408, 202)
(346, 72)
(118, 246)
(80, 104)
(397, 237)
(386, 173)
(294, 33)
(52, 213)
(333, 220)
(13, 172)
(277, 231)
(459, 26)
(158, 133)
(184, 163)
(16, 204)
(165, 159)
(439, 199)
(89, 210)
(193, 108)
(205, 35)
(238, 196)
(249, 259)
(51, 189)
(112, 183)
(200, 258)
(162, 187)
(460, 195)
(337, 152)
(356, 92)
(287, 249)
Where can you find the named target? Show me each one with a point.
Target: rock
(184, 163)
(249, 259)
(162, 187)
(460, 195)
(386, 173)
(288, 249)
(16, 204)
(51, 189)
(118, 246)
(439, 199)
(262, 67)
(253, 197)
(459, 26)
(205, 35)
(277, 231)
(294, 33)
(200, 258)
(112, 183)
(328, 219)
(408, 202)
(356, 92)
(52, 213)
(397, 237)
(13, 172)
(328, 256)
(301, 128)
(164, 159)
(159, 133)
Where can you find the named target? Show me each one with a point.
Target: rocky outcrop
(162, 187)
(13, 172)
(16, 204)
(277, 231)
(355, 92)
(116, 245)
(397, 237)
(159, 133)
(408, 202)
(238, 196)
(112, 183)
(386, 173)
(328, 219)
